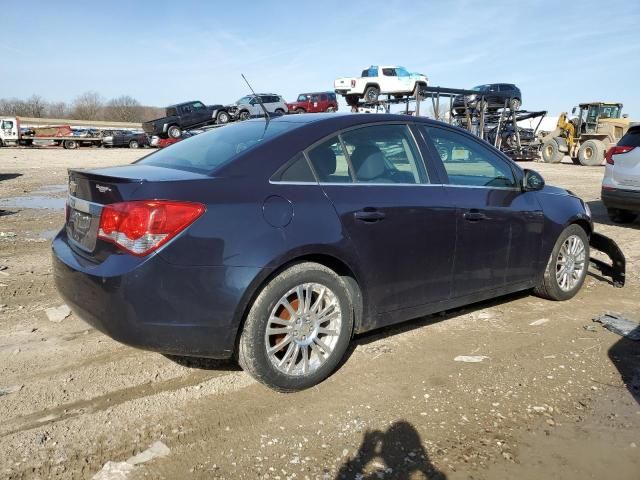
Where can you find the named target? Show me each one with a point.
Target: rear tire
(515, 104)
(621, 216)
(551, 151)
(285, 369)
(70, 144)
(134, 144)
(567, 266)
(591, 153)
(243, 115)
(174, 131)
(371, 94)
(280, 111)
(300, 110)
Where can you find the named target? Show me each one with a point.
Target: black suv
(491, 96)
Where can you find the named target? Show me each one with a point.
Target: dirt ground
(557, 395)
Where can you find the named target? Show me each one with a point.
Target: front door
(499, 225)
(401, 226)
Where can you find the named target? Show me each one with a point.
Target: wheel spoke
(287, 355)
(326, 350)
(276, 348)
(285, 303)
(300, 294)
(294, 357)
(318, 302)
(279, 331)
(280, 321)
(305, 359)
(326, 331)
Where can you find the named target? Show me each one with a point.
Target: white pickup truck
(380, 80)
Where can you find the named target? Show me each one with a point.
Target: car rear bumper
(622, 199)
(155, 305)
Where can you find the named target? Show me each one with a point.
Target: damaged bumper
(616, 271)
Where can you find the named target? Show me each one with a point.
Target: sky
(558, 53)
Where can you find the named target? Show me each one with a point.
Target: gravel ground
(555, 395)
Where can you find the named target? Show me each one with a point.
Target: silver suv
(249, 106)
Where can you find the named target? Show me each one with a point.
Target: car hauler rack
(497, 124)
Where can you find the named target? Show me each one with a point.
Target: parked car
(158, 255)
(491, 96)
(621, 182)
(376, 81)
(314, 103)
(125, 138)
(184, 116)
(249, 106)
(159, 142)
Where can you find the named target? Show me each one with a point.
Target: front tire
(297, 329)
(300, 110)
(551, 151)
(567, 266)
(222, 118)
(243, 115)
(134, 144)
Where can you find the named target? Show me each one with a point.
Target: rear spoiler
(616, 271)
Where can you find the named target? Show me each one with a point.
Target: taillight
(353, 83)
(140, 227)
(616, 150)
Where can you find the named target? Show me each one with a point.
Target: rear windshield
(631, 138)
(205, 152)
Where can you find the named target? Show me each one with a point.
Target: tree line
(88, 106)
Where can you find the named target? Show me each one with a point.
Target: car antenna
(264, 109)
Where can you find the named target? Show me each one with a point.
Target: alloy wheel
(571, 263)
(303, 329)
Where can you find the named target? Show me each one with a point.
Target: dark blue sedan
(276, 241)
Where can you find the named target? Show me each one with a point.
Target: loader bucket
(616, 271)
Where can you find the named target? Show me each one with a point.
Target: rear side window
(329, 162)
(384, 154)
(469, 163)
(631, 138)
(298, 170)
(205, 152)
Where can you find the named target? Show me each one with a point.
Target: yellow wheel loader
(587, 137)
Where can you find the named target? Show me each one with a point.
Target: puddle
(48, 234)
(35, 201)
(57, 188)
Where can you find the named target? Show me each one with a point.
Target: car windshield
(244, 100)
(402, 72)
(206, 152)
(302, 98)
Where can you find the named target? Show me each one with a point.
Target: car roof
(346, 119)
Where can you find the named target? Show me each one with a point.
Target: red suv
(314, 102)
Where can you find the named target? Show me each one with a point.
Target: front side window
(402, 72)
(384, 154)
(330, 162)
(302, 98)
(7, 125)
(389, 72)
(469, 163)
(197, 105)
(244, 100)
(186, 109)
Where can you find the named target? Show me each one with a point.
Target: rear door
(626, 167)
(400, 224)
(499, 225)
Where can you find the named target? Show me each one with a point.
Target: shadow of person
(397, 453)
(625, 355)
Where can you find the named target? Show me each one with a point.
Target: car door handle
(474, 216)
(369, 216)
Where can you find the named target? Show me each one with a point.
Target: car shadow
(9, 176)
(395, 453)
(625, 355)
(409, 325)
(202, 363)
(599, 215)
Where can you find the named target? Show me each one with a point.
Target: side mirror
(532, 181)
(573, 111)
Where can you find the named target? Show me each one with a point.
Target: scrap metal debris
(616, 323)
(121, 470)
(470, 358)
(57, 314)
(11, 389)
